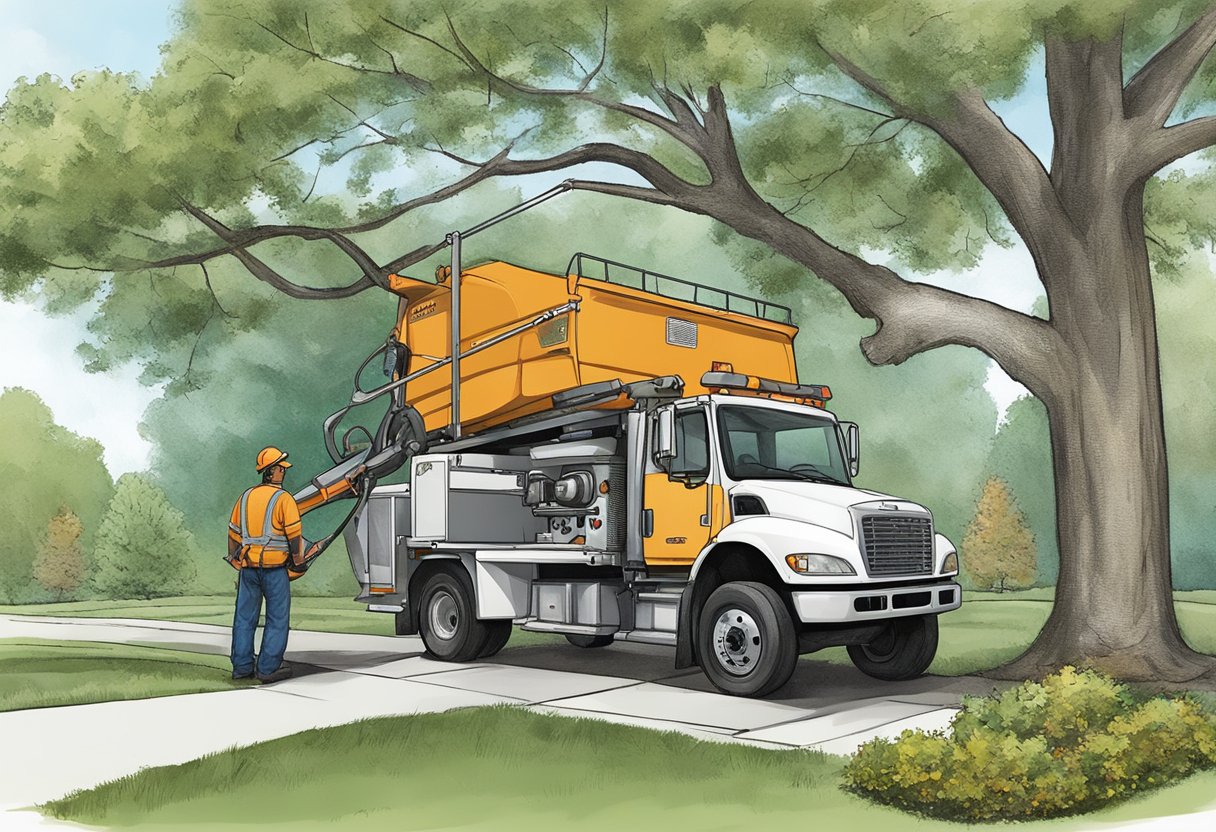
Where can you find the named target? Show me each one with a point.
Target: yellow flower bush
(1068, 744)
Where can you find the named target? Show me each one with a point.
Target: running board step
(648, 637)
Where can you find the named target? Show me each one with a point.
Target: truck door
(677, 491)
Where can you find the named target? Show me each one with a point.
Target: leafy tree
(1021, 458)
(59, 567)
(46, 467)
(143, 549)
(998, 550)
(822, 131)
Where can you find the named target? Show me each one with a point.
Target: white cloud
(38, 353)
(24, 51)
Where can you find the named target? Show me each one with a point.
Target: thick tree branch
(238, 240)
(1005, 165)
(1002, 161)
(1170, 144)
(912, 317)
(1093, 140)
(668, 190)
(1154, 91)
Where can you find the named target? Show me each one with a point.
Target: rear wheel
(447, 617)
(498, 633)
(746, 639)
(579, 640)
(903, 651)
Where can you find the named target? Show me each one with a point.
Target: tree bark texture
(1114, 598)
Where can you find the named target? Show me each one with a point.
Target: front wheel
(447, 617)
(746, 639)
(903, 651)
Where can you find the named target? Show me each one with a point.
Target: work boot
(247, 674)
(284, 672)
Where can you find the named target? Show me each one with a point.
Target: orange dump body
(619, 332)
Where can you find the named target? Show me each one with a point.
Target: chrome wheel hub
(444, 615)
(737, 643)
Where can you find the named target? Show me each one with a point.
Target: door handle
(648, 522)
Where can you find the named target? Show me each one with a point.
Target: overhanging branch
(1169, 144)
(1000, 160)
(1154, 91)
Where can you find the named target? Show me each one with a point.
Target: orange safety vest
(269, 546)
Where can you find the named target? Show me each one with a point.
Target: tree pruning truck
(619, 455)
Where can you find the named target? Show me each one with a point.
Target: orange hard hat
(271, 456)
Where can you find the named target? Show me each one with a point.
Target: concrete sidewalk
(51, 751)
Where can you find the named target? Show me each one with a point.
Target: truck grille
(897, 545)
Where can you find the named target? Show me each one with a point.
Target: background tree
(143, 549)
(817, 130)
(46, 467)
(998, 551)
(1021, 459)
(59, 566)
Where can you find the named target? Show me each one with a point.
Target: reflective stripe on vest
(269, 541)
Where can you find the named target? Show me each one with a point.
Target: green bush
(1072, 743)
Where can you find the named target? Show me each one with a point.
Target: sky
(38, 353)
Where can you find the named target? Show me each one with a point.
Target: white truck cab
(725, 525)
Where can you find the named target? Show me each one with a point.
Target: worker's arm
(234, 537)
(293, 529)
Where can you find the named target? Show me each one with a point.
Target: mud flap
(685, 654)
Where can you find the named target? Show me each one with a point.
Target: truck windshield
(763, 443)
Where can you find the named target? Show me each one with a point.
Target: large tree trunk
(1114, 605)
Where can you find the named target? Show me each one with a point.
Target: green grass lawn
(989, 629)
(502, 768)
(37, 673)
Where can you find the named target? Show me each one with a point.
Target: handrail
(763, 309)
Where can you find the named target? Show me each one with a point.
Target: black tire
(498, 633)
(746, 639)
(447, 616)
(904, 651)
(580, 640)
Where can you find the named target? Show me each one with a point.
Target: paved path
(50, 751)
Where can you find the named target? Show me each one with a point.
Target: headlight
(819, 565)
(950, 564)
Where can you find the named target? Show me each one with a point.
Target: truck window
(802, 445)
(692, 445)
(768, 443)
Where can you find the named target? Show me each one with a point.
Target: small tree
(59, 566)
(998, 549)
(143, 549)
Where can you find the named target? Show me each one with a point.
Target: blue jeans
(253, 585)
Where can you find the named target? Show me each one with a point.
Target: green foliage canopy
(260, 101)
(47, 468)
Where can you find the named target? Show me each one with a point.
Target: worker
(263, 533)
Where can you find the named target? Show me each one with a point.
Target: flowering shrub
(1071, 743)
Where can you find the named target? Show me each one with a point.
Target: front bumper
(856, 605)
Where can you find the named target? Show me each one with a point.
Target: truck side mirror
(665, 442)
(852, 442)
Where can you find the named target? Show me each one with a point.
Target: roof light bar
(755, 384)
